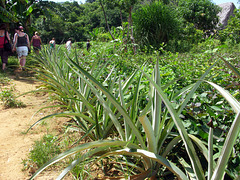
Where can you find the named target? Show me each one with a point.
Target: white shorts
(22, 51)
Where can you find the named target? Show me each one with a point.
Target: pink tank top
(2, 38)
(36, 42)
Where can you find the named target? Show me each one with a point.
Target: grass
(42, 151)
(4, 80)
(9, 99)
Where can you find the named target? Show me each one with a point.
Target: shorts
(4, 55)
(22, 51)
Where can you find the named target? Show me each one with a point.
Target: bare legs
(3, 66)
(22, 61)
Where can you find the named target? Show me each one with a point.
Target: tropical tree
(202, 13)
(105, 17)
(5, 15)
(18, 11)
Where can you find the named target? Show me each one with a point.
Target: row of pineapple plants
(149, 114)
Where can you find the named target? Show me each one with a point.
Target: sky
(214, 1)
(225, 1)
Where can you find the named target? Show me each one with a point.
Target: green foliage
(4, 80)
(20, 12)
(231, 33)
(103, 37)
(108, 99)
(202, 13)
(43, 150)
(74, 20)
(187, 38)
(9, 100)
(155, 23)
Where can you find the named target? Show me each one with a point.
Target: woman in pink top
(3, 53)
(36, 42)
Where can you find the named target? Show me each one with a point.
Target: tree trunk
(106, 19)
(124, 39)
(131, 29)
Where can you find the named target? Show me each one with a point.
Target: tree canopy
(154, 21)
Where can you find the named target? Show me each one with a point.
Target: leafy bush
(202, 13)
(103, 37)
(154, 24)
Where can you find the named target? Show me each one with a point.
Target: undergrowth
(42, 151)
(9, 100)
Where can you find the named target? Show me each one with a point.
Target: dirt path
(14, 144)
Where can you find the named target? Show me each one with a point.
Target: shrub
(202, 13)
(154, 24)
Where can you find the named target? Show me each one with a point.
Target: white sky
(214, 1)
(224, 1)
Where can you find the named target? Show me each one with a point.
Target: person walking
(52, 44)
(21, 45)
(88, 45)
(4, 37)
(36, 43)
(69, 45)
(15, 34)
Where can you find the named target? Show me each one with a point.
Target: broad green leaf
(171, 145)
(210, 153)
(152, 142)
(64, 114)
(157, 103)
(230, 140)
(188, 169)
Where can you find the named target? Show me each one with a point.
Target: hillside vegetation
(156, 96)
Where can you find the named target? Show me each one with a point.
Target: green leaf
(113, 101)
(82, 147)
(227, 149)
(187, 142)
(152, 142)
(232, 101)
(231, 67)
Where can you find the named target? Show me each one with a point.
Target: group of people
(22, 45)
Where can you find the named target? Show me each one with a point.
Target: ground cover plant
(7, 96)
(149, 116)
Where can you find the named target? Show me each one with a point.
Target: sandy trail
(14, 144)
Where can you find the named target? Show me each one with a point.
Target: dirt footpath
(14, 143)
